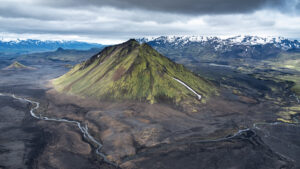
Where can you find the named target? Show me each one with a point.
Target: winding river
(83, 128)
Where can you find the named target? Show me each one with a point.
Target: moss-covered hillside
(132, 71)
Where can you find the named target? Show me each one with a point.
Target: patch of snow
(198, 95)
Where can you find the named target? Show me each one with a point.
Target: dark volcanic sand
(26, 142)
(242, 152)
(137, 135)
(19, 135)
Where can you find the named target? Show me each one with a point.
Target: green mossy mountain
(132, 71)
(18, 66)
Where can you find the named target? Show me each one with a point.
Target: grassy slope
(134, 72)
(285, 70)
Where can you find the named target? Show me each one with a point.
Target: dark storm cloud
(180, 6)
(15, 11)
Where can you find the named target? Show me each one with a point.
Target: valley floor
(221, 134)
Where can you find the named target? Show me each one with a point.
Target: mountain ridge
(281, 42)
(60, 54)
(32, 46)
(200, 49)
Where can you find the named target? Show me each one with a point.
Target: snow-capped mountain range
(218, 42)
(200, 48)
(31, 45)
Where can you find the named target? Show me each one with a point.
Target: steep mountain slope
(18, 66)
(133, 71)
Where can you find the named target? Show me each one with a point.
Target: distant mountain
(133, 71)
(219, 43)
(18, 66)
(32, 46)
(200, 48)
(70, 55)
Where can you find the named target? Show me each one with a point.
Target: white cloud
(109, 25)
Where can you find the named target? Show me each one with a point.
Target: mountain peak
(59, 49)
(18, 66)
(131, 43)
(133, 71)
(134, 41)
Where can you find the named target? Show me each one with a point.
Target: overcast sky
(113, 21)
